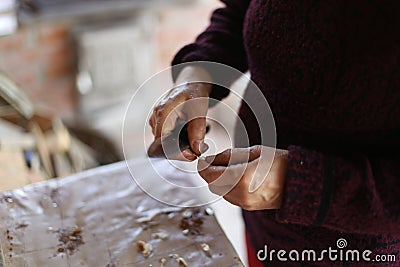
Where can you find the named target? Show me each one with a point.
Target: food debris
(54, 194)
(70, 239)
(10, 238)
(163, 235)
(187, 214)
(180, 260)
(209, 211)
(185, 232)
(9, 200)
(163, 262)
(206, 248)
(148, 224)
(192, 221)
(21, 226)
(144, 248)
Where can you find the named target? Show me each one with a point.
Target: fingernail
(202, 165)
(187, 155)
(209, 159)
(203, 147)
(197, 147)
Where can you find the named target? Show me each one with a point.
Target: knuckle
(159, 108)
(243, 185)
(246, 203)
(269, 196)
(164, 105)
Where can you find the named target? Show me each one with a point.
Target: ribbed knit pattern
(330, 71)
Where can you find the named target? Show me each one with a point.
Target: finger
(196, 133)
(165, 120)
(221, 159)
(185, 155)
(152, 123)
(165, 115)
(209, 173)
(196, 110)
(232, 200)
(235, 156)
(219, 190)
(221, 175)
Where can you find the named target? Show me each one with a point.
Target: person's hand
(187, 102)
(231, 172)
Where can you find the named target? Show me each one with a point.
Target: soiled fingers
(235, 156)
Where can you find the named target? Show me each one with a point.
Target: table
(102, 218)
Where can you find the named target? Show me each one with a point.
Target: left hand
(231, 172)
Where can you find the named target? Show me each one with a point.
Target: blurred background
(68, 70)
(82, 60)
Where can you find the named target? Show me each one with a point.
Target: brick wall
(40, 58)
(179, 26)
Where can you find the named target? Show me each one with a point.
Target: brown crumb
(192, 222)
(21, 226)
(182, 262)
(70, 239)
(163, 235)
(144, 248)
(54, 194)
(8, 199)
(206, 248)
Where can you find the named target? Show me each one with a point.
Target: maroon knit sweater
(330, 71)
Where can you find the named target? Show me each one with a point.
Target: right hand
(188, 102)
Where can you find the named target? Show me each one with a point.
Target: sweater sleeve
(221, 42)
(350, 193)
